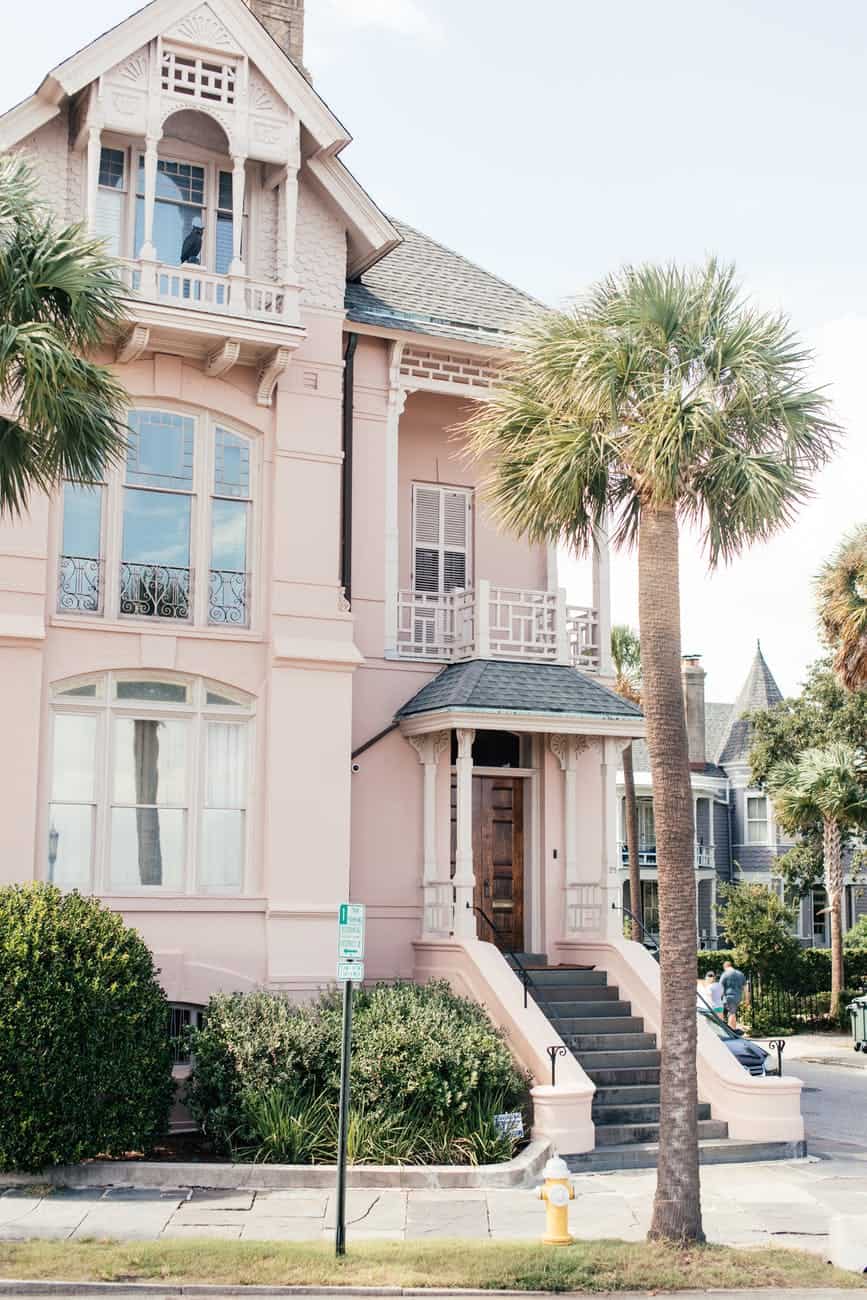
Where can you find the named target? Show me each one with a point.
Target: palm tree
(829, 786)
(61, 415)
(841, 588)
(626, 657)
(659, 399)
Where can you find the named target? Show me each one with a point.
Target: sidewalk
(823, 1049)
(783, 1203)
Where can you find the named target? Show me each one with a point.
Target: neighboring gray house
(736, 836)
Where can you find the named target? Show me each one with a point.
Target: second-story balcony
(496, 622)
(704, 856)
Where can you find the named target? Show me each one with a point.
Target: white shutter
(441, 538)
(109, 216)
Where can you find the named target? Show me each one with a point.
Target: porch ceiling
(491, 693)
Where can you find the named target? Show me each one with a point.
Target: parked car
(748, 1054)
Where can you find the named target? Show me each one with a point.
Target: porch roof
(505, 686)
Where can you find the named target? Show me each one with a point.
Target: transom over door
(498, 857)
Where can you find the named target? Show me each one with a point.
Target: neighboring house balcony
(704, 856)
(496, 622)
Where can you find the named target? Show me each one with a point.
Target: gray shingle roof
(427, 288)
(759, 691)
(502, 686)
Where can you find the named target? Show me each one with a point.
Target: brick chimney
(693, 698)
(284, 20)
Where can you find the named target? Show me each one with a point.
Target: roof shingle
(497, 685)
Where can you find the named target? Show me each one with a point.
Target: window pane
(174, 226)
(226, 757)
(222, 850)
(164, 692)
(89, 690)
(150, 760)
(156, 528)
(111, 168)
(181, 181)
(160, 449)
(70, 840)
(224, 197)
(229, 535)
(82, 516)
(213, 697)
(147, 848)
(74, 756)
(231, 465)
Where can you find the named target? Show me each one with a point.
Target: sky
(552, 142)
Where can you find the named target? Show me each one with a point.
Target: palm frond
(841, 589)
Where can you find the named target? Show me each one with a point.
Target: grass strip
(496, 1265)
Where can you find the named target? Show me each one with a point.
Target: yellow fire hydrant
(557, 1191)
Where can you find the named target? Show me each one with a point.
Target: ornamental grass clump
(85, 1057)
(429, 1073)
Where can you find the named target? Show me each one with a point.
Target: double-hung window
(181, 514)
(757, 819)
(148, 785)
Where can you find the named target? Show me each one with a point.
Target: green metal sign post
(350, 970)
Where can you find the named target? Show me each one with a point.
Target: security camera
(356, 767)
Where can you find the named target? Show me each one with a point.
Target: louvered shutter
(441, 538)
(109, 216)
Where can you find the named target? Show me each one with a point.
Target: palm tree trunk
(631, 809)
(834, 890)
(677, 1204)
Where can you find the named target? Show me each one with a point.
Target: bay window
(181, 549)
(148, 786)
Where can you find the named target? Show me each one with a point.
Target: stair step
(577, 1025)
(635, 1094)
(621, 1076)
(573, 994)
(588, 1010)
(622, 1061)
(567, 975)
(713, 1152)
(612, 1135)
(527, 958)
(633, 1114)
(580, 1043)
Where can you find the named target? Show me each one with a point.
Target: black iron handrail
(524, 975)
(648, 940)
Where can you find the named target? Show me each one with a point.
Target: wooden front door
(498, 857)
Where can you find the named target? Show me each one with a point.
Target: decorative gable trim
(203, 29)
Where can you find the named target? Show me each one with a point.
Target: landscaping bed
(594, 1266)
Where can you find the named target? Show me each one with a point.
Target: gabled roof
(502, 686)
(426, 288)
(759, 691)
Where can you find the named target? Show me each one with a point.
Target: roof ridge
(462, 257)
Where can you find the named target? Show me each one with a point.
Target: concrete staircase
(623, 1061)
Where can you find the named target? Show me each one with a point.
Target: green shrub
(85, 1063)
(708, 959)
(857, 937)
(429, 1072)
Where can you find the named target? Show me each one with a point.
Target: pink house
(281, 656)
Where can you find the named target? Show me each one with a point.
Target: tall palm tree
(841, 588)
(626, 658)
(659, 399)
(826, 785)
(61, 415)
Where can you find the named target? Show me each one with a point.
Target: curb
(518, 1172)
(8, 1286)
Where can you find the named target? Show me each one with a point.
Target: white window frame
(206, 424)
(468, 494)
(198, 713)
(748, 821)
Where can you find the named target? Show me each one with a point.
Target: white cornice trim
(373, 234)
(24, 119)
(434, 342)
(571, 724)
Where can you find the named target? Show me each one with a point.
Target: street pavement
(783, 1202)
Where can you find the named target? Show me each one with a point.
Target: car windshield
(721, 1030)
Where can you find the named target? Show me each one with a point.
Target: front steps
(623, 1061)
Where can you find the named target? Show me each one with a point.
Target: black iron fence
(776, 1004)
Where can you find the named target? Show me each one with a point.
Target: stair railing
(647, 940)
(523, 974)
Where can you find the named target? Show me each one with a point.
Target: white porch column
(695, 798)
(289, 193)
(566, 750)
(612, 750)
(464, 880)
(148, 253)
(602, 598)
(397, 395)
(94, 146)
(239, 177)
(483, 619)
(437, 893)
(564, 655)
(711, 834)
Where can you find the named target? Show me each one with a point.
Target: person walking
(710, 993)
(732, 982)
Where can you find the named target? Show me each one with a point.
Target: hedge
(85, 1060)
(810, 973)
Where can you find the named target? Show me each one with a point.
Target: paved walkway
(784, 1203)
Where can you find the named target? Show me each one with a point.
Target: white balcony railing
(194, 287)
(492, 622)
(704, 855)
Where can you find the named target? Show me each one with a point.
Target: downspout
(346, 483)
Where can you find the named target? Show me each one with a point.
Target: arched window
(148, 785)
(168, 534)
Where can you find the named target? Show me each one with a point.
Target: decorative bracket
(133, 344)
(269, 373)
(223, 358)
(430, 745)
(567, 748)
